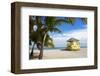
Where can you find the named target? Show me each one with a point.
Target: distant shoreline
(56, 48)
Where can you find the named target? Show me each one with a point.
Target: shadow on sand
(35, 56)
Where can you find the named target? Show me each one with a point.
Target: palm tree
(44, 26)
(37, 36)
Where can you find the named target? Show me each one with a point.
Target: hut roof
(72, 39)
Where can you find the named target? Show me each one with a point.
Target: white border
(33, 64)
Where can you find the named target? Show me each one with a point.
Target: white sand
(58, 54)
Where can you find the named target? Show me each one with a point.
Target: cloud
(60, 40)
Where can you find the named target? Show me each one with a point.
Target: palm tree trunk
(45, 35)
(42, 46)
(41, 52)
(32, 54)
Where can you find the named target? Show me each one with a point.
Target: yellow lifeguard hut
(73, 44)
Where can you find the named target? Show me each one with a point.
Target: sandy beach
(58, 54)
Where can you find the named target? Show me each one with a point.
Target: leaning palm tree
(44, 26)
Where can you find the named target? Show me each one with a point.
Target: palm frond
(55, 30)
(84, 20)
(38, 22)
(70, 20)
(49, 42)
(31, 23)
(49, 21)
(60, 21)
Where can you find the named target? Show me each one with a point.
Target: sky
(78, 30)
